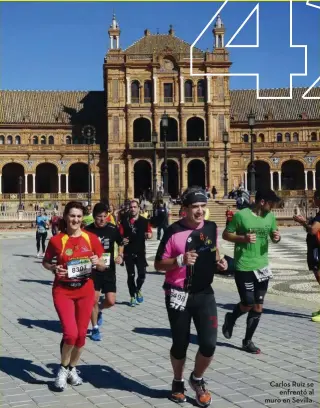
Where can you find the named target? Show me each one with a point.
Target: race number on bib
(106, 258)
(178, 299)
(263, 274)
(79, 267)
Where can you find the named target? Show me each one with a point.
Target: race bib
(178, 299)
(263, 274)
(79, 268)
(106, 258)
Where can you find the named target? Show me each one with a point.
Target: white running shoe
(61, 379)
(74, 377)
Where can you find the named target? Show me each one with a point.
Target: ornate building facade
(41, 138)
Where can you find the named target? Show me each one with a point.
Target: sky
(61, 45)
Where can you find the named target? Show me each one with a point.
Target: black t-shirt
(108, 235)
(162, 216)
(312, 241)
(135, 231)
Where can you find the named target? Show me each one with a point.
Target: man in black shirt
(104, 282)
(135, 229)
(312, 227)
(161, 219)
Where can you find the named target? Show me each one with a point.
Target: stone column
(181, 89)
(130, 178)
(210, 171)
(26, 183)
(208, 89)
(33, 183)
(59, 183)
(0, 183)
(67, 183)
(92, 183)
(184, 175)
(313, 180)
(306, 180)
(279, 179)
(155, 89)
(183, 126)
(246, 180)
(271, 180)
(128, 90)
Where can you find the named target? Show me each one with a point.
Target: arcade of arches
(291, 176)
(46, 179)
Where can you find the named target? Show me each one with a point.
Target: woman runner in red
(78, 252)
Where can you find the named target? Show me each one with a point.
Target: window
(147, 91)
(201, 90)
(221, 124)
(188, 91)
(35, 140)
(261, 138)
(115, 128)
(279, 137)
(287, 137)
(9, 140)
(254, 138)
(68, 140)
(168, 92)
(51, 140)
(115, 91)
(116, 171)
(245, 138)
(295, 137)
(313, 136)
(135, 92)
(17, 140)
(43, 140)
(1, 139)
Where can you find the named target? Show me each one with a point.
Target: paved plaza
(130, 367)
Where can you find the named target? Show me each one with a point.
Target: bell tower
(114, 34)
(218, 33)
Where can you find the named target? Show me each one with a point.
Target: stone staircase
(216, 207)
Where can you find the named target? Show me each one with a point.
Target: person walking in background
(229, 215)
(55, 221)
(42, 225)
(87, 217)
(161, 218)
(214, 192)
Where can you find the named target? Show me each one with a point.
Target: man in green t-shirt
(250, 230)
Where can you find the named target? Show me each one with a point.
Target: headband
(194, 197)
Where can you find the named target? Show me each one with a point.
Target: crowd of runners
(86, 246)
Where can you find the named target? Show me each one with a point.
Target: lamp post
(20, 192)
(89, 134)
(165, 124)
(252, 171)
(154, 179)
(225, 139)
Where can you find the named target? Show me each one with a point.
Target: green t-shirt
(250, 257)
(87, 219)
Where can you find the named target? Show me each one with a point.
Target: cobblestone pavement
(130, 367)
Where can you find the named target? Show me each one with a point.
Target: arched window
(9, 140)
(295, 137)
(261, 138)
(279, 137)
(43, 140)
(17, 140)
(188, 88)
(51, 140)
(254, 137)
(287, 137)
(245, 138)
(313, 137)
(147, 91)
(1, 139)
(35, 140)
(201, 90)
(135, 92)
(68, 140)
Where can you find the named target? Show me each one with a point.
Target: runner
(313, 245)
(87, 217)
(104, 282)
(189, 255)
(250, 229)
(77, 252)
(55, 221)
(42, 225)
(229, 215)
(135, 230)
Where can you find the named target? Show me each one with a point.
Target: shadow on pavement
(23, 369)
(26, 256)
(103, 376)
(163, 332)
(230, 306)
(51, 325)
(43, 282)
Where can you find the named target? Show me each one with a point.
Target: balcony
(65, 148)
(198, 144)
(277, 145)
(170, 145)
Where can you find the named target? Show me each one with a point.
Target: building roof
(242, 101)
(79, 107)
(160, 42)
(52, 107)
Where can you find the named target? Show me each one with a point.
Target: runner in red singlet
(77, 253)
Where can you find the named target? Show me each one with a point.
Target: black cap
(267, 195)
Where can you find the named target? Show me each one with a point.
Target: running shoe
(74, 377)
(139, 297)
(133, 302)
(228, 326)
(314, 314)
(177, 393)
(316, 318)
(249, 347)
(95, 335)
(100, 319)
(61, 379)
(203, 396)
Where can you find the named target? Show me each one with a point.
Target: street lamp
(165, 125)
(252, 171)
(225, 139)
(20, 192)
(154, 180)
(89, 133)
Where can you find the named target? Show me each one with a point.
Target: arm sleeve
(96, 245)
(165, 247)
(149, 228)
(121, 230)
(274, 224)
(233, 224)
(51, 252)
(316, 219)
(118, 237)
